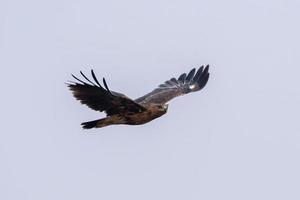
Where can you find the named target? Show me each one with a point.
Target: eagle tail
(95, 124)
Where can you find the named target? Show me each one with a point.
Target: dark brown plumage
(122, 110)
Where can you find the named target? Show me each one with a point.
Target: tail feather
(94, 124)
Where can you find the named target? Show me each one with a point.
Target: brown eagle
(122, 110)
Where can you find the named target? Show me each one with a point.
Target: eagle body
(120, 109)
(130, 118)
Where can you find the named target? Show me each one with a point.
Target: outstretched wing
(97, 98)
(172, 88)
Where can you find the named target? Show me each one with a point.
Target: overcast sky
(236, 139)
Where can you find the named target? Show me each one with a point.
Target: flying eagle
(120, 109)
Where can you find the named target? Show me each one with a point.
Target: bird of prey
(120, 109)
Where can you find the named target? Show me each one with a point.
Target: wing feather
(95, 78)
(190, 75)
(82, 74)
(198, 74)
(174, 80)
(185, 84)
(105, 85)
(100, 99)
(182, 77)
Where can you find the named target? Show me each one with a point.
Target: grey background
(237, 139)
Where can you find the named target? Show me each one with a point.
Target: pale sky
(236, 139)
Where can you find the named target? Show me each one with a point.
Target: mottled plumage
(122, 110)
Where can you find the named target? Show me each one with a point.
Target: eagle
(121, 109)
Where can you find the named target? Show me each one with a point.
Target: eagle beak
(166, 106)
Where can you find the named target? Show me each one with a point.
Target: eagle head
(163, 108)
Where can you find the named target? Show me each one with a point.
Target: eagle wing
(101, 99)
(194, 81)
